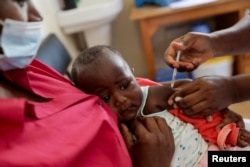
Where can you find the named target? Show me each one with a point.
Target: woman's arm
(233, 40)
(196, 48)
(209, 94)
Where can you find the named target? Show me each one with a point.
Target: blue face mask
(19, 42)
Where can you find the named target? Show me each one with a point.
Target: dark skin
(196, 49)
(123, 95)
(121, 89)
(145, 156)
(157, 101)
(161, 142)
(209, 94)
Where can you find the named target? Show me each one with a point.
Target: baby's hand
(243, 138)
(229, 117)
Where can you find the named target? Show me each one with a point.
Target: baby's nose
(120, 100)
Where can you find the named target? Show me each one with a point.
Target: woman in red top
(46, 121)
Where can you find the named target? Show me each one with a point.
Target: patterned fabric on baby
(189, 145)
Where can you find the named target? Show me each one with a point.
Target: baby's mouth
(128, 113)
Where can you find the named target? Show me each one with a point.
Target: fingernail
(177, 98)
(209, 118)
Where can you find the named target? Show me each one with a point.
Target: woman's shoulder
(37, 77)
(11, 90)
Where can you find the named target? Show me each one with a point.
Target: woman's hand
(229, 117)
(154, 144)
(195, 49)
(204, 96)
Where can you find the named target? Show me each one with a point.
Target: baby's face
(113, 81)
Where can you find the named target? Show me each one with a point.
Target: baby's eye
(125, 86)
(106, 98)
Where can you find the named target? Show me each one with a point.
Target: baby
(101, 70)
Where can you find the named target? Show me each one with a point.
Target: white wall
(126, 37)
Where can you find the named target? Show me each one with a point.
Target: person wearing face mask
(24, 37)
(46, 121)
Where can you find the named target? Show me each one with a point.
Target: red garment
(206, 129)
(72, 129)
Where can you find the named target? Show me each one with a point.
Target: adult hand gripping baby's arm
(154, 145)
(204, 96)
(230, 116)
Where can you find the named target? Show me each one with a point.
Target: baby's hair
(89, 57)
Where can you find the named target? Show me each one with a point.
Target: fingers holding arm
(204, 96)
(154, 146)
(228, 117)
(127, 136)
(243, 138)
